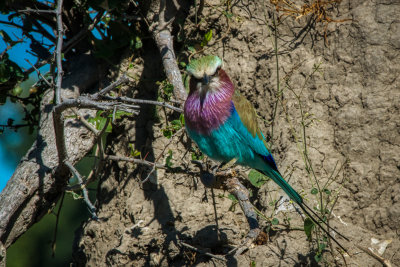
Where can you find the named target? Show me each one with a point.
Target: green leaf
(314, 191)
(327, 191)
(308, 227)
(138, 42)
(75, 196)
(322, 246)
(232, 197)
(275, 221)
(257, 179)
(207, 38)
(318, 257)
(168, 160)
(252, 264)
(167, 133)
(134, 153)
(227, 14)
(182, 119)
(17, 90)
(5, 70)
(176, 125)
(119, 113)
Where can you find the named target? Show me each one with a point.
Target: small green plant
(257, 179)
(207, 38)
(134, 152)
(196, 154)
(168, 159)
(174, 126)
(102, 117)
(166, 90)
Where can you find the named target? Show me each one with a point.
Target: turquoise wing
(247, 128)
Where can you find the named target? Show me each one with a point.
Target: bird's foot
(227, 165)
(214, 178)
(246, 244)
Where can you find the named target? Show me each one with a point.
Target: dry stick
(35, 11)
(102, 92)
(92, 209)
(382, 260)
(80, 36)
(88, 102)
(164, 40)
(202, 251)
(242, 195)
(159, 156)
(57, 115)
(39, 73)
(143, 101)
(60, 32)
(86, 123)
(137, 161)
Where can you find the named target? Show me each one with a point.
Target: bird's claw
(246, 244)
(228, 165)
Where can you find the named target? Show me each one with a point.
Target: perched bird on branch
(224, 126)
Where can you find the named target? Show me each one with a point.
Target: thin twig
(58, 119)
(382, 260)
(85, 122)
(39, 73)
(80, 36)
(143, 101)
(60, 32)
(102, 92)
(202, 251)
(35, 11)
(91, 208)
(136, 161)
(87, 102)
(159, 156)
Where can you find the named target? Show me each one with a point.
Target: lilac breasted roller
(224, 126)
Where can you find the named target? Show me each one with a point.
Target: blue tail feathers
(278, 179)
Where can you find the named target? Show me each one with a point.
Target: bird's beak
(205, 80)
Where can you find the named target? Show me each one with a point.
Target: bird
(223, 124)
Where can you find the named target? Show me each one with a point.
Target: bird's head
(204, 74)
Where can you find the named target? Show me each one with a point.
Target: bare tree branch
(36, 183)
(92, 209)
(143, 101)
(137, 161)
(60, 36)
(164, 40)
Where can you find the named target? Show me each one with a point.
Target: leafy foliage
(10, 75)
(173, 127)
(257, 179)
